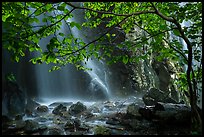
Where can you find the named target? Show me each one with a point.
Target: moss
(101, 130)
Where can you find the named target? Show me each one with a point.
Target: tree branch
(106, 12)
(49, 25)
(96, 39)
(162, 15)
(183, 55)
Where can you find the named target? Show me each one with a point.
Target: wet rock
(158, 107)
(94, 109)
(58, 103)
(20, 124)
(13, 99)
(132, 109)
(149, 101)
(136, 124)
(42, 108)
(177, 114)
(147, 113)
(112, 121)
(19, 117)
(69, 125)
(72, 124)
(77, 133)
(161, 69)
(109, 104)
(59, 109)
(54, 131)
(77, 108)
(30, 106)
(58, 120)
(87, 114)
(31, 126)
(153, 96)
(97, 90)
(65, 115)
(101, 130)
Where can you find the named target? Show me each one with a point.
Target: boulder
(59, 109)
(77, 108)
(42, 108)
(161, 69)
(30, 106)
(72, 124)
(31, 126)
(132, 109)
(54, 131)
(147, 113)
(101, 130)
(58, 103)
(155, 95)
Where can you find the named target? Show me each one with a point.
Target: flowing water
(69, 83)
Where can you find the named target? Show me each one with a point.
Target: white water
(69, 83)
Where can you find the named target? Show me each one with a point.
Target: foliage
(10, 77)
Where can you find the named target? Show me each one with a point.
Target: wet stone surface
(114, 117)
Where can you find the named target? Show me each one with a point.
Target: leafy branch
(43, 29)
(106, 12)
(112, 27)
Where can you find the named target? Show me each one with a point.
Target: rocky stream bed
(128, 116)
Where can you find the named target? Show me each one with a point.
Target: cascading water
(98, 84)
(69, 83)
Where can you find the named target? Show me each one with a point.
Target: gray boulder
(31, 126)
(132, 109)
(59, 109)
(42, 108)
(77, 108)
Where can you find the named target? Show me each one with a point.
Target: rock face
(77, 108)
(13, 99)
(155, 95)
(97, 90)
(163, 75)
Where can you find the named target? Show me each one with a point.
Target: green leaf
(60, 8)
(44, 20)
(72, 24)
(125, 59)
(61, 34)
(54, 68)
(176, 32)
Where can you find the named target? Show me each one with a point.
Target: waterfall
(98, 84)
(70, 83)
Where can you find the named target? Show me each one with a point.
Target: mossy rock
(101, 130)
